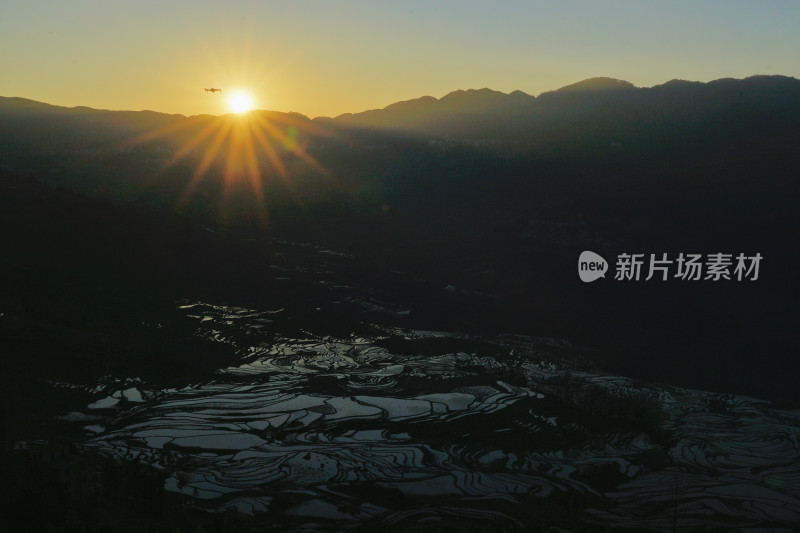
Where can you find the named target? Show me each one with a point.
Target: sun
(240, 102)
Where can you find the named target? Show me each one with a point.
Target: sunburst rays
(240, 151)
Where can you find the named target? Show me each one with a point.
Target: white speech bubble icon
(591, 266)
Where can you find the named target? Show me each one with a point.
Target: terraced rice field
(392, 427)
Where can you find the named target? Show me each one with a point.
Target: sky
(324, 58)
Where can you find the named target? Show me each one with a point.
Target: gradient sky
(327, 58)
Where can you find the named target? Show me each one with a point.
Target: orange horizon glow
(354, 56)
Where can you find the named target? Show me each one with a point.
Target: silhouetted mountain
(10, 104)
(594, 111)
(496, 192)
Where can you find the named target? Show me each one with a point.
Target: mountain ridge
(458, 100)
(598, 84)
(419, 113)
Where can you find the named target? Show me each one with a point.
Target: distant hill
(29, 119)
(598, 84)
(114, 153)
